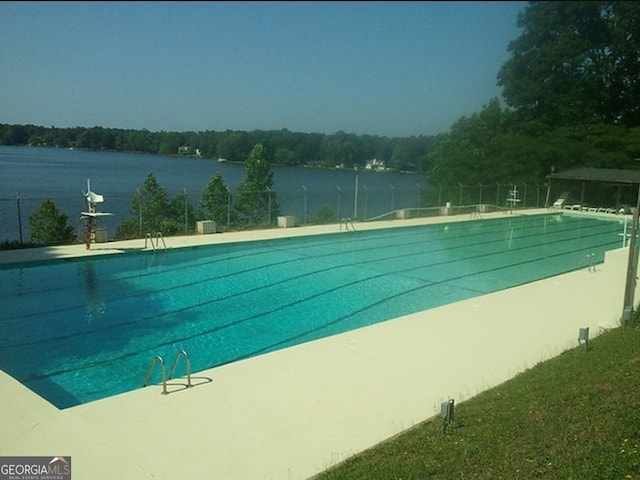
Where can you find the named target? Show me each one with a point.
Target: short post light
(446, 410)
(583, 337)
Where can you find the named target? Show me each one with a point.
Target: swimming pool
(79, 330)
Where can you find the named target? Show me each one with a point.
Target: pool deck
(293, 413)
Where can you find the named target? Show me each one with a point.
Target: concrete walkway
(293, 413)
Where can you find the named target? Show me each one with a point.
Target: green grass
(576, 416)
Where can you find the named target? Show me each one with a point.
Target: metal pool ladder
(589, 260)
(155, 244)
(158, 358)
(348, 223)
(475, 215)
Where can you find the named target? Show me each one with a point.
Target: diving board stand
(91, 215)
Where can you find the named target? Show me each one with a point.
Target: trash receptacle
(206, 226)
(286, 221)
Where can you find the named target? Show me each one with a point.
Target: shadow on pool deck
(293, 413)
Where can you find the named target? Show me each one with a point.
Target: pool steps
(158, 358)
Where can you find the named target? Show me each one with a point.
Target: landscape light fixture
(583, 337)
(446, 410)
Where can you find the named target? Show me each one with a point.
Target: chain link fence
(307, 206)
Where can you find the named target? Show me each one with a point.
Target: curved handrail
(187, 362)
(155, 359)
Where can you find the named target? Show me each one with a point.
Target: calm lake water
(32, 174)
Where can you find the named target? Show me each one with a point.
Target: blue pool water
(79, 330)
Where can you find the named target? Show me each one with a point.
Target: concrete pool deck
(293, 413)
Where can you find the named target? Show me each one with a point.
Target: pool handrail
(157, 358)
(187, 361)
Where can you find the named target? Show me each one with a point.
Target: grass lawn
(576, 416)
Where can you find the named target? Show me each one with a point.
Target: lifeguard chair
(513, 199)
(92, 214)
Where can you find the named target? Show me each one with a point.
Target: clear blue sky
(381, 68)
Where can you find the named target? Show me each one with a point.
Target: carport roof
(611, 175)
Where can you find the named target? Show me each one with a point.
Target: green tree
(575, 63)
(170, 143)
(183, 217)
(285, 156)
(324, 215)
(256, 203)
(344, 149)
(14, 135)
(216, 200)
(572, 88)
(150, 211)
(473, 151)
(49, 225)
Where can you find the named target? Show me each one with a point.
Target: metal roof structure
(608, 175)
(589, 181)
(619, 178)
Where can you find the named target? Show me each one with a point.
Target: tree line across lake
(282, 147)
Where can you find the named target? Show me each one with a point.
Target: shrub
(49, 225)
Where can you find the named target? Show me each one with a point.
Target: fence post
(269, 211)
(393, 198)
(228, 207)
(19, 216)
(140, 213)
(185, 210)
(305, 204)
(366, 200)
(355, 195)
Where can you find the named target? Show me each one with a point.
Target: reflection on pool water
(79, 330)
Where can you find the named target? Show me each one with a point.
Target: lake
(34, 173)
